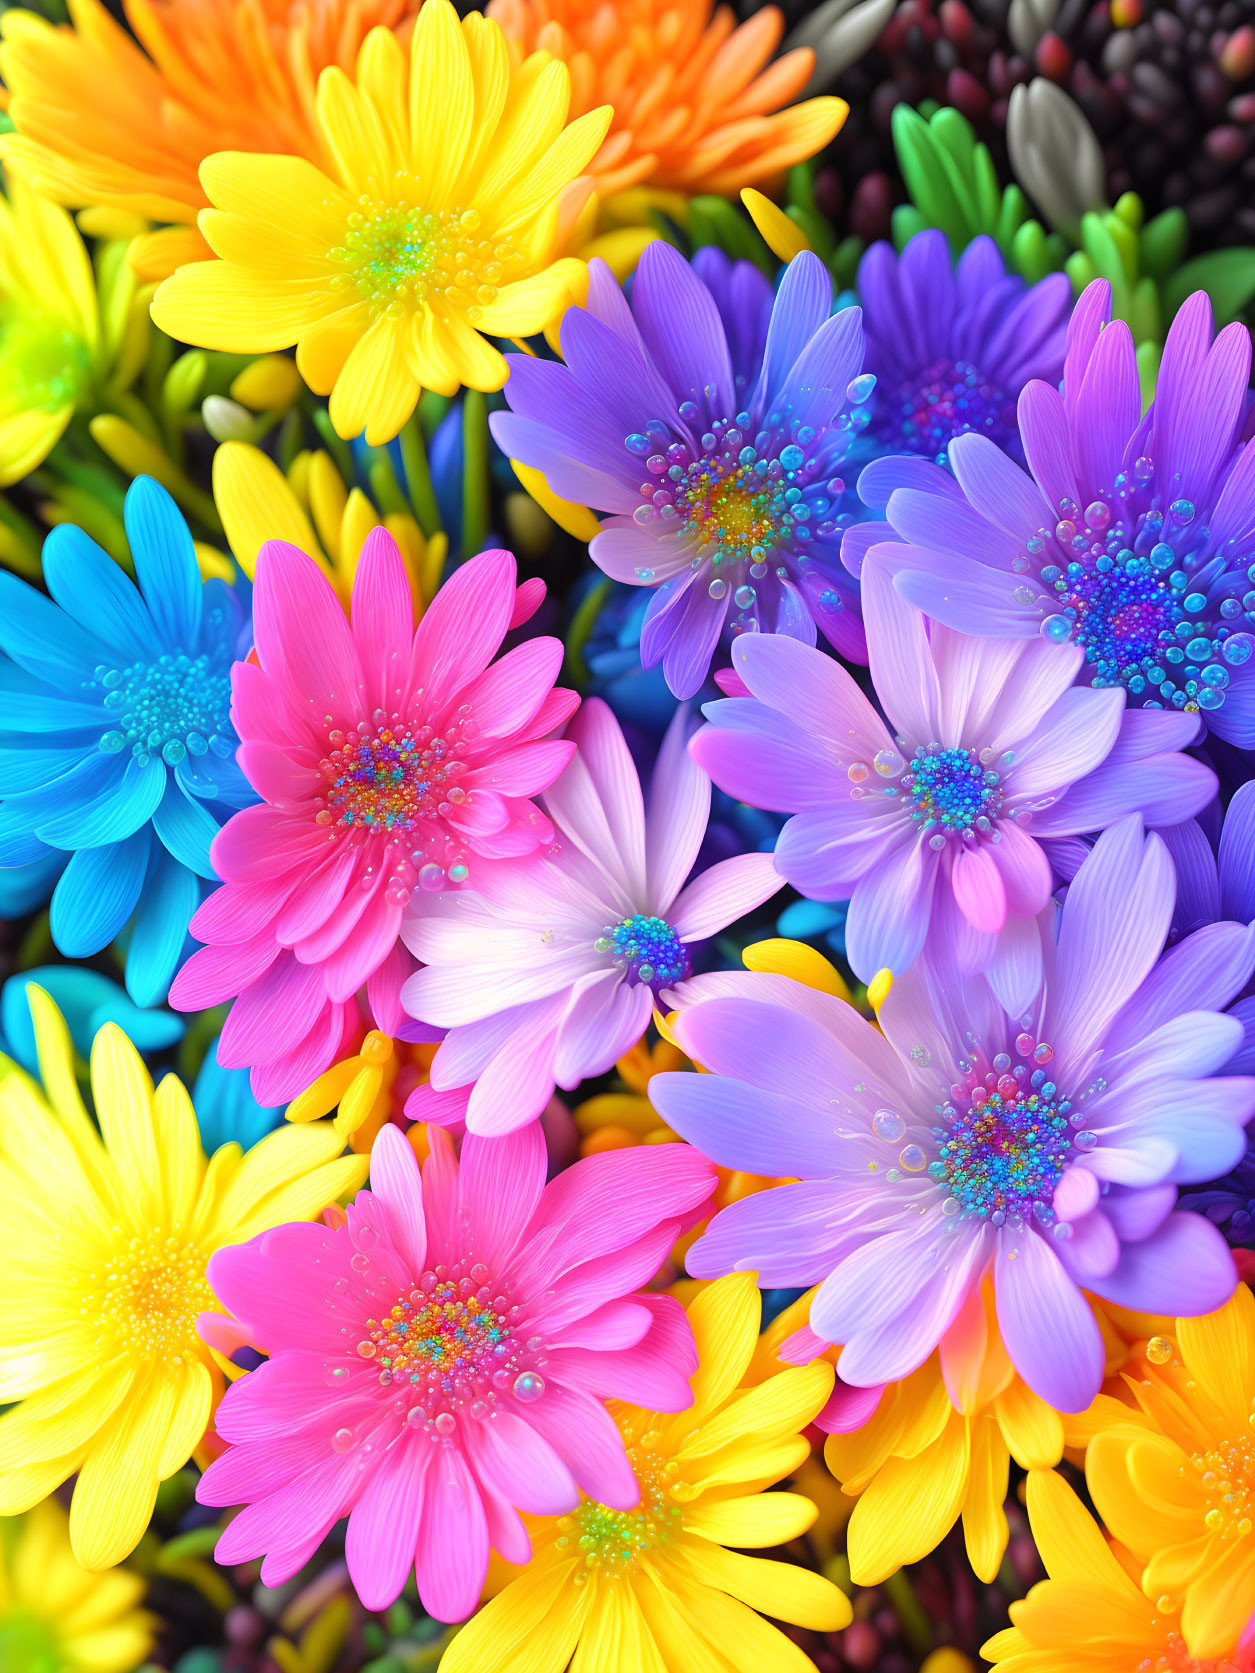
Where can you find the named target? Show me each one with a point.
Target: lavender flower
(551, 971)
(1041, 1151)
(933, 826)
(952, 346)
(709, 420)
(1136, 539)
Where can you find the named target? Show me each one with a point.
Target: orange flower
(100, 123)
(697, 105)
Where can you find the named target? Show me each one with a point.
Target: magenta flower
(549, 973)
(440, 1361)
(1041, 1150)
(388, 759)
(937, 827)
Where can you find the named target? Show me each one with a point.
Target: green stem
(915, 1623)
(474, 472)
(418, 477)
(338, 448)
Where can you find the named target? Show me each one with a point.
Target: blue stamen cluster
(647, 950)
(175, 706)
(952, 791)
(945, 400)
(1140, 595)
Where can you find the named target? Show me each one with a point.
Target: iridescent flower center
(43, 365)
(1226, 1474)
(398, 256)
(176, 707)
(452, 1343)
(951, 791)
(390, 779)
(614, 1541)
(647, 950)
(945, 400)
(1140, 590)
(1006, 1139)
(146, 1299)
(753, 500)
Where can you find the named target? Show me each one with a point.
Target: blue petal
(97, 894)
(28, 704)
(186, 829)
(42, 638)
(24, 887)
(226, 1108)
(19, 846)
(171, 895)
(87, 1000)
(111, 808)
(28, 768)
(165, 562)
(90, 587)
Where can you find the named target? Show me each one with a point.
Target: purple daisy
(1135, 537)
(551, 971)
(709, 421)
(1042, 1151)
(952, 346)
(933, 826)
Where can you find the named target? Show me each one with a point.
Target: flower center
(951, 791)
(398, 256)
(451, 1342)
(178, 706)
(43, 365)
(1227, 1476)
(148, 1297)
(753, 503)
(946, 400)
(29, 1645)
(1139, 590)
(616, 1540)
(647, 950)
(1176, 1658)
(1005, 1140)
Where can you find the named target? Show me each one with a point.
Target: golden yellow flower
(105, 117)
(1174, 1477)
(697, 100)
(654, 1590)
(1090, 1616)
(440, 218)
(366, 1089)
(104, 1245)
(56, 1617)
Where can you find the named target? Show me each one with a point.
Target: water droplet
(912, 1158)
(528, 1386)
(888, 1125)
(1159, 1350)
(342, 1440)
(1056, 628)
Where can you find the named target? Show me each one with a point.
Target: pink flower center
(452, 1344)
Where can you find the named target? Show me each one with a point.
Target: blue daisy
(117, 753)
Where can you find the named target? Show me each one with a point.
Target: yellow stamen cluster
(396, 255)
(614, 1541)
(147, 1297)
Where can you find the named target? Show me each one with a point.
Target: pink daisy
(439, 1361)
(387, 759)
(548, 973)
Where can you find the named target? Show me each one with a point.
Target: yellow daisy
(56, 1617)
(454, 179)
(49, 328)
(1090, 1616)
(1174, 1477)
(104, 1244)
(312, 508)
(655, 1590)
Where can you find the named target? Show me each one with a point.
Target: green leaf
(1164, 242)
(1228, 277)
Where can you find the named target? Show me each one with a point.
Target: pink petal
(272, 1014)
(302, 636)
(509, 694)
(462, 627)
(397, 1186)
(382, 620)
(382, 1537)
(978, 888)
(260, 842)
(507, 1451)
(587, 1439)
(217, 973)
(722, 894)
(501, 1181)
(678, 811)
(528, 598)
(452, 1557)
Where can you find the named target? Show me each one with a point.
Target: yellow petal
(725, 1317)
(741, 1640)
(117, 1485)
(375, 392)
(784, 1590)
(441, 103)
(758, 1519)
(217, 305)
(579, 521)
(59, 1422)
(616, 1638)
(256, 504)
(532, 1626)
(179, 1148)
(193, 1402)
(1219, 1350)
(782, 236)
(1070, 1542)
(527, 305)
(984, 1520)
(781, 1406)
(909, 1507)
(1032, 1429)
(1218, 1605)
(123, 1093)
